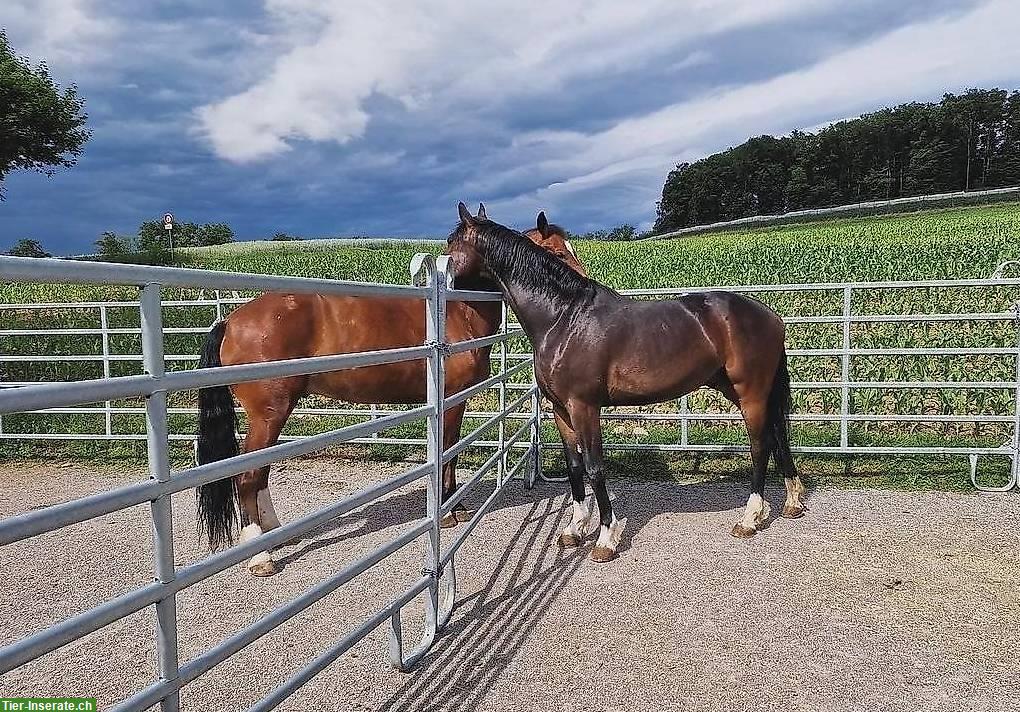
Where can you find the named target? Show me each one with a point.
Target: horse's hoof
(742, 532)
(449, 521)
(569, 541)
(266, 568)
(463, 515)
(791, 512)
(602, 554)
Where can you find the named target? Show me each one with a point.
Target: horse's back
(284, 326)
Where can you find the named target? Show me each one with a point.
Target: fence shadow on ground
(489, 627)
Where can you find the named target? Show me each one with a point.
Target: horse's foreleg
(756, 513)
(585, 420)
(583, 509)
(452, 420)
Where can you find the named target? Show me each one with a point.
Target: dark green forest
(965, 142)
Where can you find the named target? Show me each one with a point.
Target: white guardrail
(438, 579)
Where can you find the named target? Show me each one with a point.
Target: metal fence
(845, 319)
(438, 580)
(828, 306)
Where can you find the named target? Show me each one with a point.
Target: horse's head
(469, 267)
(553, 239)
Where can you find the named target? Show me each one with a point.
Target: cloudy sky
(374, 117)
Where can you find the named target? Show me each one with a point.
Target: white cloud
(61, 32)
(442, 56)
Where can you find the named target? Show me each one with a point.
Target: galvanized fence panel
(438, 579)
(845, 318)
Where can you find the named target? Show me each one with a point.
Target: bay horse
(594, 347)
(272, 327)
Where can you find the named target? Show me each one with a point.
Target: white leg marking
(581, 522)
(609, 537)
(756, 512)
(794, 490)
(247, 534)
(267, 512)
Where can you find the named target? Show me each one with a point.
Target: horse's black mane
(508, 252)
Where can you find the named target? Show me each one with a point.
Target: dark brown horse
(284, 326)
(594, 347)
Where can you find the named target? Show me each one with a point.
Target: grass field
(956, 243)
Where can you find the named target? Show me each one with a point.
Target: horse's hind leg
(755, 411)
(258, 515)
(583, 509)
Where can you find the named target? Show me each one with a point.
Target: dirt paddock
(877, 600)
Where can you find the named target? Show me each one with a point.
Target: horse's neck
(536, 312)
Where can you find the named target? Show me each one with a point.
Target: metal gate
(438, 579)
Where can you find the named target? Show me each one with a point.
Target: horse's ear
(481, 212)
(465, 214)
(543, 226)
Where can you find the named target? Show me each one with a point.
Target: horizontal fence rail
(120, 421)
(154, 385)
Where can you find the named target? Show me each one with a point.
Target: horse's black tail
(778, 425)
(217, 425)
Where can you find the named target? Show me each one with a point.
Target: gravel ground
(877, 600)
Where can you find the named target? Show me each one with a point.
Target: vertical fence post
(844, 408)
(436, 335)
(159, 469)
(501, 467)
(1016, 403)
(536, 432)
(104, 324)
(685, 409)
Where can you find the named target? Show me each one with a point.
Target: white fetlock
(582, 523)
(609, 540)
(267, 512)
(794, 506)
(584, 516)
(262, 563)
(263, 557)
(609, 537)
(756, 513)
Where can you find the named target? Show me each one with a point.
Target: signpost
(168, 225)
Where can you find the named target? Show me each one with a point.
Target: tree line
(965, 142)
(151, 242)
